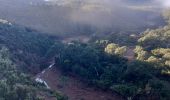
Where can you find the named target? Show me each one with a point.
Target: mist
(84, 16)
(164, 3)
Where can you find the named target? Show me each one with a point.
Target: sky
(165, 3)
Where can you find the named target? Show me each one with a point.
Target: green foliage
(115, 49)
(27, 46)
(54, 50)
(122, 39)
(128, 91)
(160, 88)
(110, 48)
(152, 77)
(59, 96)
(154, 47)
(166, 15)
(101, 63)
(153, 59)
(158, 38)
(121, 50)
(14, 85)
(92, 64)
(140, 53)
(163, 54)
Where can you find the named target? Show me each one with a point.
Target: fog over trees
(108, 49)
(75, 16)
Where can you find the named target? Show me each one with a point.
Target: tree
(121, 50)
(110, 48)
(113, 49)
(140, 53)
(153, 59)
(14, 85)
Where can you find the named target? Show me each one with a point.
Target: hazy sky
(165, 3)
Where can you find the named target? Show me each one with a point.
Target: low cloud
(82, 16)
(162, 3)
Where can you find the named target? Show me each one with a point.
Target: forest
(134, 66)
(102, 63)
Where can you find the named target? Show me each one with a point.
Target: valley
(84, 50)
(74, 88)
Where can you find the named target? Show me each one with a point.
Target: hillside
(108, 68)
(102, 63)
(22, 51)
(85, 50)
(28, 47)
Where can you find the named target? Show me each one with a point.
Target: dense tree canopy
(22, 48)
(115, 49)
(94, 65)
(13, 84)
(99, 63)
(27, 46)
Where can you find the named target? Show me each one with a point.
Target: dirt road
(73, 88)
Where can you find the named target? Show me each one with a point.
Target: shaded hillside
(22, 48)
(15, 85)
(26, 45)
